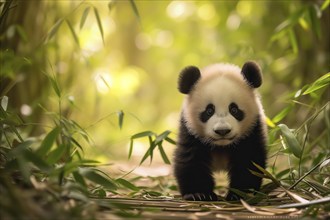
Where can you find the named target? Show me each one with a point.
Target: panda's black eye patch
(207, 113)
(236, 112)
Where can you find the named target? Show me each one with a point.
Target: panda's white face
(222, 107)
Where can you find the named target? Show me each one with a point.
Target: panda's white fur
(221, 84)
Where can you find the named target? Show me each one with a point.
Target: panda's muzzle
(222, 132)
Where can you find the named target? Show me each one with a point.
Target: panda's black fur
(194, 155)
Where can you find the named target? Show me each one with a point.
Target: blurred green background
(118, 60)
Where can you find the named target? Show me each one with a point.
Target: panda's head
(222, 105)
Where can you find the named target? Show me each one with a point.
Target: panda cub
(222, 127)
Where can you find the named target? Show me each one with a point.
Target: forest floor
(176, 209)
(157, 199)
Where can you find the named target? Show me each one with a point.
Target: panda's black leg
(195, 181)
(242, 179)
(193, 173)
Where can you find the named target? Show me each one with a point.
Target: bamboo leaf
(283, 173)
(76, 143)
(254, 209)
(4, 103)
(149, 152)
(146, 155)
(296, 197)
(135, 9)
(24, 169)
(127, 184)
(97, 178)
(55, 155)
(318, 84)
(81, 131)
(143, 134)
(66, 168)
(152, 146)
(104, 81)
(270, 123)
(100, 193)
(121, 115)
(278, 211)
(54, 29)
(258, 174)
(292, 20)
(292, 142)
(240, 193)
(136, 136)
(308, 173)
(79, 178)
(267, 210)
(324, 200)
(163, 154)
(170, 140)
(36, 160)
(48, 142)
(55, 86)
(130, 151)
(303, 23)
(83, 17)
(314, 15)
(267, 174)
(325, 163)
(88, 163)
(153, 193)
(74, 35)
(325, 5)
(18, 150)
(282, 114)
(293, 41)
(99, 23)
(162, 136)
(319, 186)
(22, 33)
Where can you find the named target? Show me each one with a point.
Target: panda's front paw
(201, 197)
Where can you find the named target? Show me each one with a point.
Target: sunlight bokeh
(109, 56)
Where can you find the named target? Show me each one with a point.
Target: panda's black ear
(188, 78)
(252, 73)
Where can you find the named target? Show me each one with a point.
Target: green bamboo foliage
(44, 165)
(154, 141)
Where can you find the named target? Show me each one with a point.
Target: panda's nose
(222, 132)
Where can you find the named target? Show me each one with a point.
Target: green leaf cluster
(307, 152)
(52, 164)
(154, 141)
